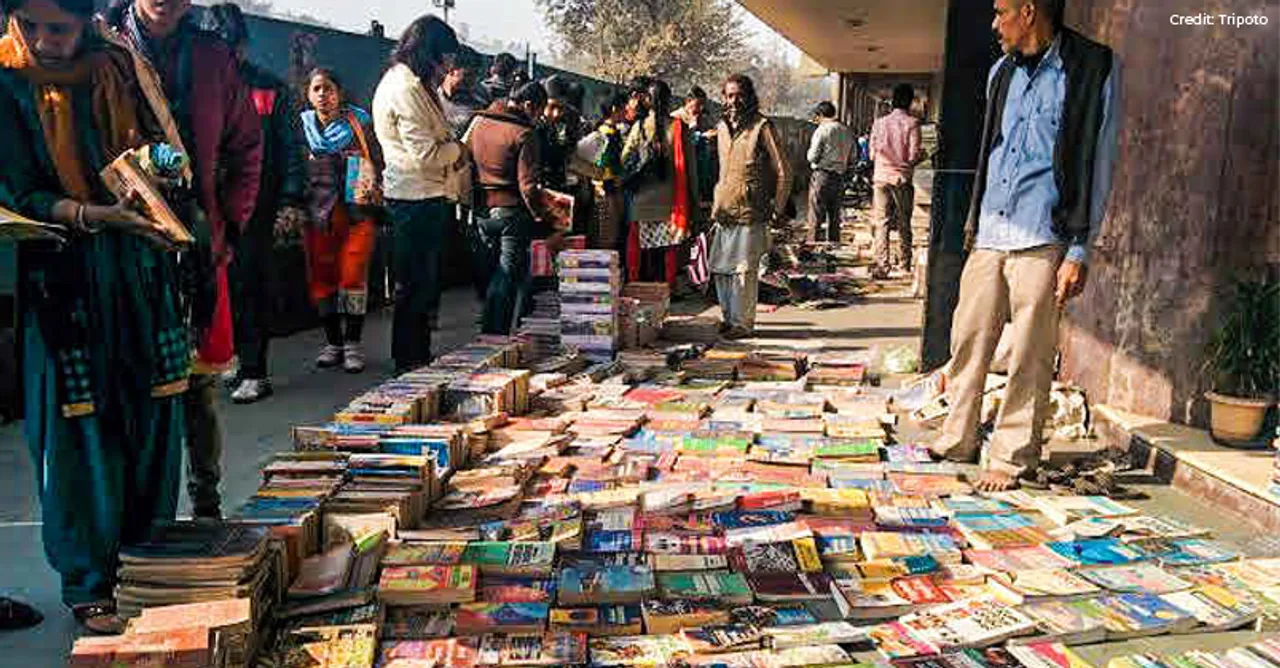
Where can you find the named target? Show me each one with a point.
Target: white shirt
(416, 138)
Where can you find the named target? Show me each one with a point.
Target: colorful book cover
(1012, 559)
(609, 581)
(1128, 615)
(1048, 655)
(919, 590)
(1136, 579)
(1191, 552)
(424, 554)
(582, 619)
(495, 617)
(1100, 552)
(453, 652)
(454, 583)
(749, 519)
(647, 651)
(508, 589)
(1050, 583)
(1066, 622)
(724, 585)
(407, 622)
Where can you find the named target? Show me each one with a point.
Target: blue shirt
(1017, 207)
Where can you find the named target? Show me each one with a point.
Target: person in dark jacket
(1039, 196)
(211, 105)
(505, 152)
(501, 80)
(279, 206)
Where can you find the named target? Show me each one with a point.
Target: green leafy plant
(1243, 357)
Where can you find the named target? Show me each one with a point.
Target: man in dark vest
(1043, 177)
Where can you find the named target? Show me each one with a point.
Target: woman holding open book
(344, 192)
(105, 345)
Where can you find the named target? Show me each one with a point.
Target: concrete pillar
(970, 52)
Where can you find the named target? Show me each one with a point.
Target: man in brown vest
(755, 180)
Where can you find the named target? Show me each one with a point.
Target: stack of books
(196, 562)
(590, 293)
(663, 519)
(219, 634)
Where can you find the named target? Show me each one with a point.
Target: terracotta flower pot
(1236, 419)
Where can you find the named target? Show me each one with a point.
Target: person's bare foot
(995, 481)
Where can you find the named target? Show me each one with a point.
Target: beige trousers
(891, 208)
(998, 287)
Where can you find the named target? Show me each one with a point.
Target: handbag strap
(358, 128)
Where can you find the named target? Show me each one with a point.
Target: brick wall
(1195, 200)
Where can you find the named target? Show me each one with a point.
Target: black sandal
(16, 615)
(99, 617)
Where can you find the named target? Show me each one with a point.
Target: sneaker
(737, 333)
(231, 376)
(352, 358)
(251, 390)
(330, 356)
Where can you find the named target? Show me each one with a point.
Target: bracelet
(83, 224)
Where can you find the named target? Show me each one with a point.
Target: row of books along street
(565, 497)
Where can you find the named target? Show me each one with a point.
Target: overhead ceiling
(890, 36)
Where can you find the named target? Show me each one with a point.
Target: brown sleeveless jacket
(755, 177)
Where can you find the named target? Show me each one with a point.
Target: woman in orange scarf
(104, 339)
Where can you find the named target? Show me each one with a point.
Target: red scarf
(680, 199)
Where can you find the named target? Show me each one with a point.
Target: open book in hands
(17, 227)
(128, 179)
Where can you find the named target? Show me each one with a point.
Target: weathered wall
(1194, 203)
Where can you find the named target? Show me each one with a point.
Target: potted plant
(1243, 361)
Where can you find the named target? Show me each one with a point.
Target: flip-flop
(16, 615)
(99, 617)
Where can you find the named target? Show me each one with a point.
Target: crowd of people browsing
(125, 332)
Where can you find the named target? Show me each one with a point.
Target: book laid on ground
(482, 617)
(423, 585)
(1215, 608)
(331, 646)
(866, 600)
(1062, 510)
(1062, 622)
(516, 589)
(542, 649)
(424, 554)
(670, 616)
(1100, 552)
(663, 563)
(837, 633)
(599, 620)
(725, 587)
(791, 587)
(1138, 615)
(582, 585)
(1013, 559)
(720, 638)
(1190, 552)
(417, 623)
(1040, 585)
(976, 622)
(452, 652)
(1047, 655)
(1144, 578)
(647, 650)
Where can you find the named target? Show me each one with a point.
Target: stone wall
(1195, 201)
